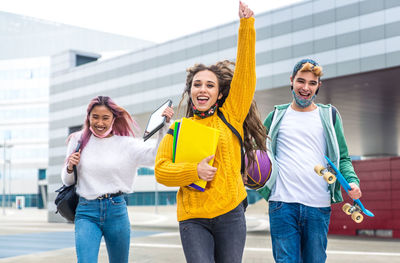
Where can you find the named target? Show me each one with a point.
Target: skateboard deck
(329, 175)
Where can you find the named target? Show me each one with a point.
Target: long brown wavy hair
(255, 133)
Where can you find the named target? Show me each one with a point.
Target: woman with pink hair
(106, 166)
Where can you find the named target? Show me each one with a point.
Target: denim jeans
(107, 217)
(298, 232)
(219, 239)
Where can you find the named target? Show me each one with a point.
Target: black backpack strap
(234, 131)
(334, 110)
(75, 175)
(78, 146)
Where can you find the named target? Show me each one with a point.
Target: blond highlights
(308, 67)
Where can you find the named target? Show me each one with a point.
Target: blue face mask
(302, 103)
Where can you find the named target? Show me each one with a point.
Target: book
(176, 132)
(192, 143)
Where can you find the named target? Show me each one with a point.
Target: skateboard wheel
(357, 217)
(318, 169)
(346, 208)
(329, 177)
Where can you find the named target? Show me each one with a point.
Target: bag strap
(334, 110)
(234, 131)
(75, 174)
(74, 167)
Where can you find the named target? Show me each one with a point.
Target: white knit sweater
(109, 165)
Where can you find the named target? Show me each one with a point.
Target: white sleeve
(68, 178)
(144, 153)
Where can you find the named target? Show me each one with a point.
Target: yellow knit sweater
(226, 190)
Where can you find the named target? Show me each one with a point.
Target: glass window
(145, 171)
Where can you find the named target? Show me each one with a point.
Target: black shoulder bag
(67, 199)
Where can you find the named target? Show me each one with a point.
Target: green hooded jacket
(336, 148)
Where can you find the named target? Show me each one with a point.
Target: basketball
(260, 171)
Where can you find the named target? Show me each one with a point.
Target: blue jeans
(298, 232)
(221, 238)
(96, 218)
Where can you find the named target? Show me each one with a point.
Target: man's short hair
(307, 65)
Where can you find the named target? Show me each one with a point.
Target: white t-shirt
(300, 146)
(109, 165)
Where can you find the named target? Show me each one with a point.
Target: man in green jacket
(301, 133)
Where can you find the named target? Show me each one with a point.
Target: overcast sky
(154, 20)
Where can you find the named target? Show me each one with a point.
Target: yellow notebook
(195, 142)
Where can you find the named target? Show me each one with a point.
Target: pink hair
(123, 125)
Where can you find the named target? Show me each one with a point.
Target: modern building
(356, 41)
(26, 45)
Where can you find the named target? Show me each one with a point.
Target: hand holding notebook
(193, 142)
(205, 171)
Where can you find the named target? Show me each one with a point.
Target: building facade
(26, 46)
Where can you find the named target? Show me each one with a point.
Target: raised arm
(244, 79)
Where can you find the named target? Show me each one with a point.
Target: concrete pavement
(26, 236)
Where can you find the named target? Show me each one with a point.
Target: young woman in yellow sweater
(212, 223)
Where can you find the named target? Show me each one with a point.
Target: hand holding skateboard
(330, 175)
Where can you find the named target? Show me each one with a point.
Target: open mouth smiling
(304, 95)
(202, 100)
(100, 128)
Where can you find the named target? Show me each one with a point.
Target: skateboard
(330, 174)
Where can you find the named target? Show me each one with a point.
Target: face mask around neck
(104, 135)
(302, 103)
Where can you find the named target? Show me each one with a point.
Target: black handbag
(67, 199)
